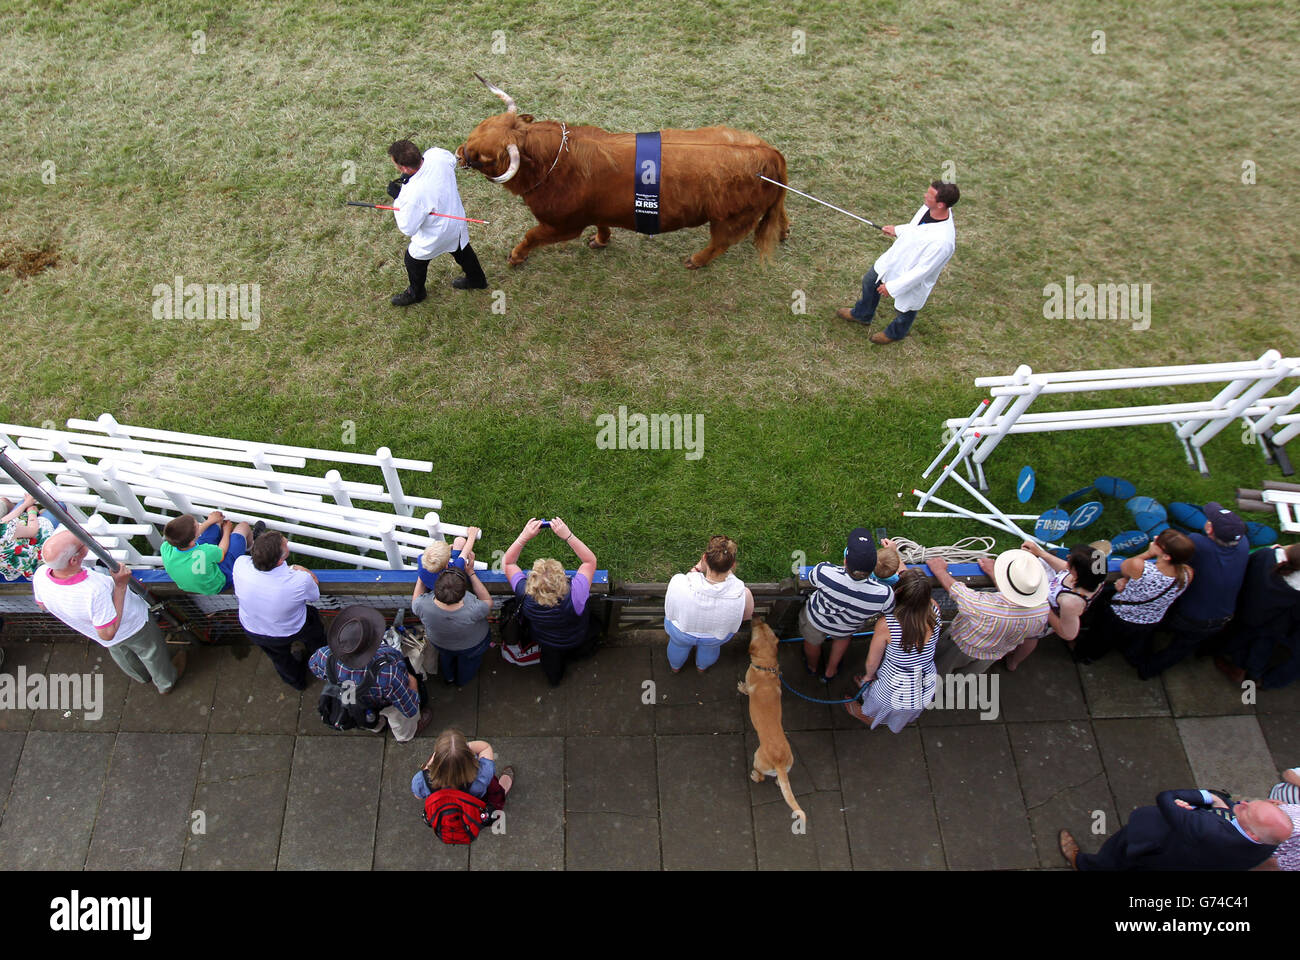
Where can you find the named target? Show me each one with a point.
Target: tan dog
(762, 685)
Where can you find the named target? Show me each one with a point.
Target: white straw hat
(1020, 578)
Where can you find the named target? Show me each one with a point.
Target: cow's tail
(775, 225)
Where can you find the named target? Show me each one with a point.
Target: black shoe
(259, 528)
(406, 298)
(463, 283)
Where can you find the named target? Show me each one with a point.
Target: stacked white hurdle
(125, 481)
(1244, 397)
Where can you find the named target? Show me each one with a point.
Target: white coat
(910, 267)
(432, 187)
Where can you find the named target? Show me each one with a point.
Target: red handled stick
(432, 213)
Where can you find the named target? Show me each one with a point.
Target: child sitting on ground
(470, 766)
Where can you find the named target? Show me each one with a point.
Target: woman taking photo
(555, 608)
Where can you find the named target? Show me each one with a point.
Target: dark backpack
(347, 712)
(455, 816)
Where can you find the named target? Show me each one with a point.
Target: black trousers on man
(417, 271)
(291, 665)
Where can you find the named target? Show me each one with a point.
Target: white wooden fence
(1245, 396)
(133, 480)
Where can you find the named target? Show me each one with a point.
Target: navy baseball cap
(1227, 526)
(860, 554)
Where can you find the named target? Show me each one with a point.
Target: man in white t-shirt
(275, 607)
(428, 183)
(105, 610)
(704, 607)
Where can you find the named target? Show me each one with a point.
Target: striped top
(1141, 600)
(906, 681)
(840, 605)
(988, 626)
(1286, 792)
(1288, 851)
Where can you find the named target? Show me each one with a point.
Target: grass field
(229, 166)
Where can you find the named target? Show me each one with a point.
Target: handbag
(517, 646)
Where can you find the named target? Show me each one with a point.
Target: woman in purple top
(556, 609)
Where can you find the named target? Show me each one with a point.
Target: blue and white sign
(1052, 524)
(1085, 515)
(1025, 484)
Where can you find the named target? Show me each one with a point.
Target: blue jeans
(865, 308)
(233, 552)
(707, 649)
(461, 666)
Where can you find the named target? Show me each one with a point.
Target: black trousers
(1188, 636)
(293, 670)
(417, 271)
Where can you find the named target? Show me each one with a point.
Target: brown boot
(178, 662)
(426, 717)
(1233, 673)
(880, 340)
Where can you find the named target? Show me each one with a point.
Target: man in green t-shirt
(200, 557)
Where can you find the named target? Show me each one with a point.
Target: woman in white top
(704, 607)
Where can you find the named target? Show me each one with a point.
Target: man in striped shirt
(990, 624)
(845, 600)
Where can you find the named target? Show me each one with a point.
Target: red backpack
(455, 816)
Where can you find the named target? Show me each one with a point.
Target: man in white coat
(428, 183)
(907, 271)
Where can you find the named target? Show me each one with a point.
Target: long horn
(510, 103)
(514, 165)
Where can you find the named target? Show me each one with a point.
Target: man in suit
(1188, 830)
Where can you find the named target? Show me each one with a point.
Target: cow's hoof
(691, 264)
(517, 261)
(594, 244)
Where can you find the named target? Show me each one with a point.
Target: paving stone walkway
(607, 781)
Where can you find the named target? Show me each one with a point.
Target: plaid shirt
(390, 688)
(988, 626)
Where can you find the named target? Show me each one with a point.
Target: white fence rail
(124, 481)
(1269, 420)
(1243, 398)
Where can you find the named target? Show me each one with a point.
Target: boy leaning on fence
(200, 557)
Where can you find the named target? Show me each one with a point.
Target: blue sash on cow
(646, 185)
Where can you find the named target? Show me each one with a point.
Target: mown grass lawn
(229, 166)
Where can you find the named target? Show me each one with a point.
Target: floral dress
(19, 556)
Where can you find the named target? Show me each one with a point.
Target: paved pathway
(235, 770)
